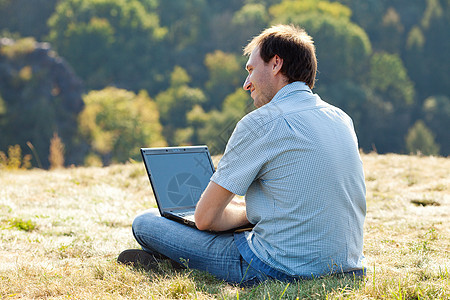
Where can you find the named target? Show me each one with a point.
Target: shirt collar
(291, 88)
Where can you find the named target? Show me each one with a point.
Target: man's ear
(277, 64)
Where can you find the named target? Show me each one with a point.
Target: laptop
(178, 177)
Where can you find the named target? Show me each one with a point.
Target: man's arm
(216, 211)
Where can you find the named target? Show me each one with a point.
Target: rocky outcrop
(40, 95)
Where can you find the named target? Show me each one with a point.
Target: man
(296, 160)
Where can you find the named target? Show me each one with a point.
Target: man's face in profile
(259, 80)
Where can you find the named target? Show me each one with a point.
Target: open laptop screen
(178, 175)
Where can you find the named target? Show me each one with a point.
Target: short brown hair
(294, 46)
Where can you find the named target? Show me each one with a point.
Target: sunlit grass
(61, 232)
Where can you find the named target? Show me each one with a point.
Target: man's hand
(216, 211)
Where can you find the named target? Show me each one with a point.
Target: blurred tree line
(110, 76)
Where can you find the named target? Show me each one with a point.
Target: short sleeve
(243, 158)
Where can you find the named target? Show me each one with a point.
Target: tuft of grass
(425, 202)
(13, 160)
(438, 187)
(57, 149)
(20, 224)
(371, 178)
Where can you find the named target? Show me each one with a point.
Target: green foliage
(175, 102)
(100, 36)
(255, 13)
(184, 20)
(433, 11)
(391, 31)
(217, 129)
(371, 115)
(2, 107)
(238, 102)
(225, 74)
(214, 128)
(94, 38)
(17, 49)
(247, 22)
(25, 17)
(330, 26)
(420, 140)
(20, 224)
(351, 48)
(218, 126)
(196, 119)
(366, 13)
(389, 77)
(289, 9)
(233, 24)
(415, 40)
(117, 123)
(426, 55)
(436, 111)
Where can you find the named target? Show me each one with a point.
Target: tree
(226, 73)
(427, 48)
(27, 18)
(250, 20)
(175, 102)
(185, 22)
(420, 139)
(330, 26)
(291, 9)
(436, 113)
(389, 77)
(245, 23)
(386, 22)
(111, 42)
(219, 125)
(380, 105)
(117, 123)
(391, 32)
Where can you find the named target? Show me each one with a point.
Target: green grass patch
(20, 224)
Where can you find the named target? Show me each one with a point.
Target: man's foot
(142, 259)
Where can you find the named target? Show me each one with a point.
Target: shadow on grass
(201, 283)
(321, 288)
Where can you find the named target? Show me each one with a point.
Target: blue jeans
(215, 253)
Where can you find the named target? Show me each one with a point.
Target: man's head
(295, 48)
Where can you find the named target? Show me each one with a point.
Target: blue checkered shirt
(296, 160)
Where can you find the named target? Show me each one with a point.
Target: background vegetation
(174, 69)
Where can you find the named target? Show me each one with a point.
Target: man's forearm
(216, 211)
(233, 216)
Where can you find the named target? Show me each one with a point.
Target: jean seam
(173, 247)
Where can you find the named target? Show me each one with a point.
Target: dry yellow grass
(61, 231)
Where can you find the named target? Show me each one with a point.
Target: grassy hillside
(61, 232)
